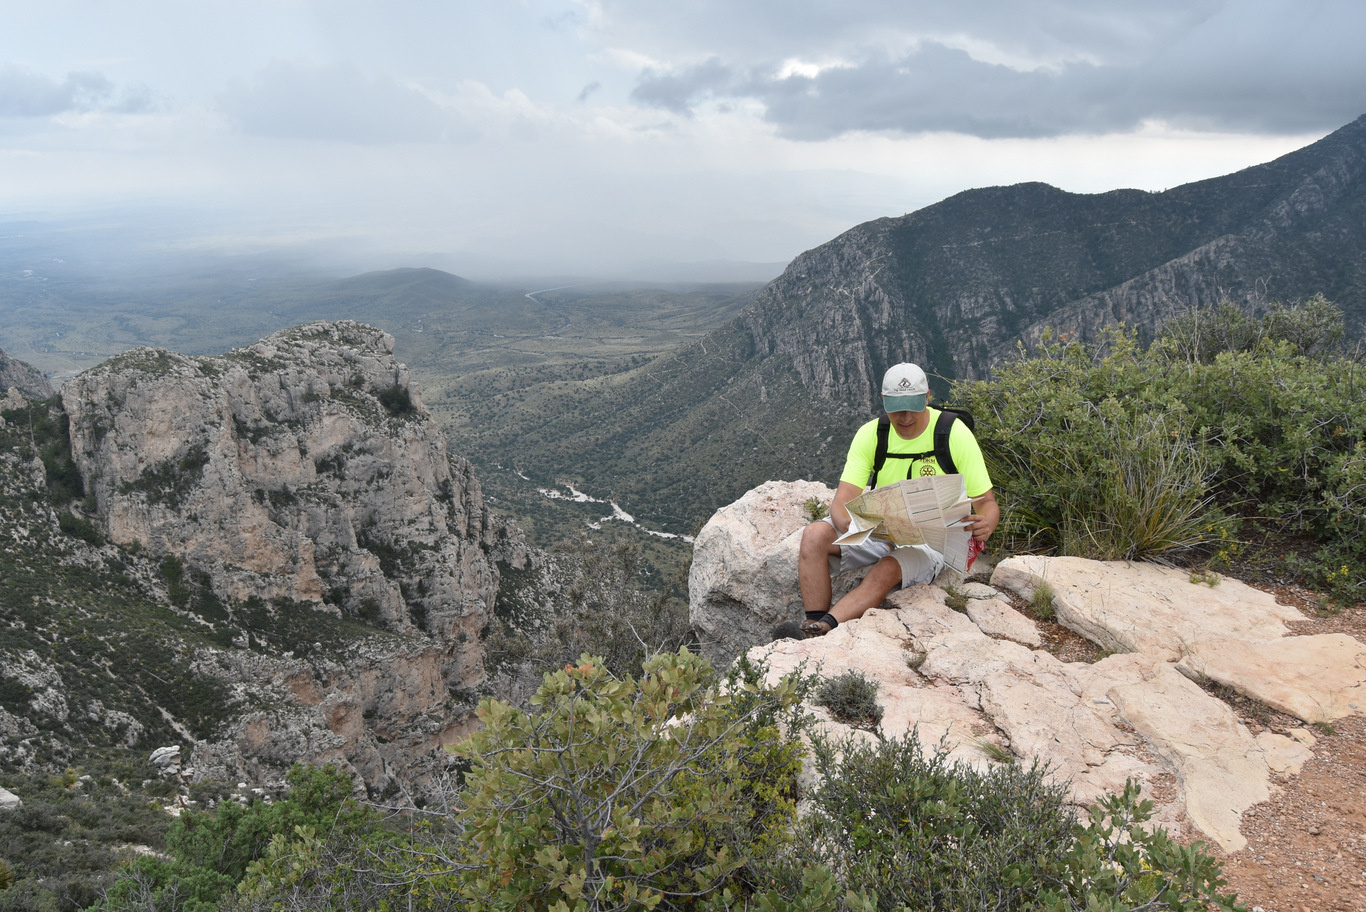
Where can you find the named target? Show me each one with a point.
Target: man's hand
(985, 516)
(838, 512)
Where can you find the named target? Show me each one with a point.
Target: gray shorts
(919, 563)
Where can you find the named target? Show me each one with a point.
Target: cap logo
(905, 383)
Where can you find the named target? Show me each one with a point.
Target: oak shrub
(1114, 449)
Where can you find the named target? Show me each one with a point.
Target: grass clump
(1043, 602)
(815, 509)
(851, 698)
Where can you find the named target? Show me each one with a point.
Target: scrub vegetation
(676, 790)
(1227, 428)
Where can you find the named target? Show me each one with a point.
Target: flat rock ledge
(970, 683)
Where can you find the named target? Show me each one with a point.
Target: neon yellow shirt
(967, 456)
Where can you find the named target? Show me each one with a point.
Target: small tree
(618, 794)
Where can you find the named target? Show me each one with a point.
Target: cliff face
(28, 380)
(306, 517)
(303, 467)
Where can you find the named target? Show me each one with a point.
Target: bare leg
(813, 566)
(882, 578)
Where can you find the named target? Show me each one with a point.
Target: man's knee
(885, 575)
(818, 540)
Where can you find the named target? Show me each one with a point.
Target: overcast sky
(585, 135)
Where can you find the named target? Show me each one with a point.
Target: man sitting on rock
(904, 393)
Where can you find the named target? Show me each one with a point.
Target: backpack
(948, 414)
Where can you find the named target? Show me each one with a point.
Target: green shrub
(212, 851)
(815, 508)
(1314, 328)
(1094, 457)
(80, 527)
(892, 820)
(623, 794)
(1116, 863)
(1112, 450)
(852, 699)
(396, 399)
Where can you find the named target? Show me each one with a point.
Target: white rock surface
(996, 618)
(9, 801)
(1133, 715)
(1230, 632)
(166, 760)
(744, 569)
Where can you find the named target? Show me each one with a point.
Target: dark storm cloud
(678, 92)
(1260, 66)
(334, 103)
(24, 93)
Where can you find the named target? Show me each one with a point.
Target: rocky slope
(976, 682)
(26, 379)
(291, 564)
(957, 285)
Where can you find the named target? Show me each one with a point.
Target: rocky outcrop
(1228, 632)
(303, 467)
(26, 379)
(293, 481)
(974, 684)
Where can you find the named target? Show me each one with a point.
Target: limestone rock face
(744, 570)
(303, 467)
(958, 285)
(970, 683)
(299, 475)
(25, 378)
(1230, 632)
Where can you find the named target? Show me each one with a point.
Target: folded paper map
(917, 511)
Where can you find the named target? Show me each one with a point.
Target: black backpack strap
(943, 427)
(884, 426)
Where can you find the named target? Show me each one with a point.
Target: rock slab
(968, 687)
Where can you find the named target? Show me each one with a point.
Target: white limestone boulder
(743, 580)
(1228, 632)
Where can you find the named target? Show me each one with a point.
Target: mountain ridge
(957, 287)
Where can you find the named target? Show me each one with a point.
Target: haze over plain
(612, 138)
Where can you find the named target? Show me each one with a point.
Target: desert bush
(1117, 863)
(396, 400)
(851, 698)
(1093, 455)
(80, 527)
(617, 793)
(1314, 328)
(814, 508)
(1114, 450)
(921, 832)
(211, 852)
